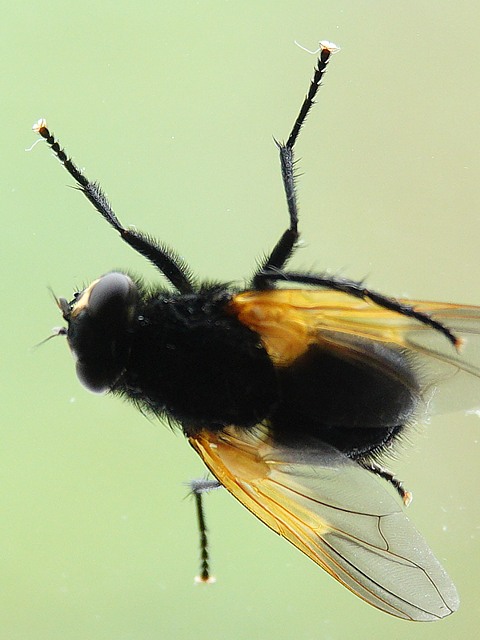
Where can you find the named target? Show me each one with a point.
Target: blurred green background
(172, 106)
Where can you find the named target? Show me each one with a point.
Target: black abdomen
(355, 399)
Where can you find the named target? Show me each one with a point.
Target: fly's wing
(338, 514)
(291, 320)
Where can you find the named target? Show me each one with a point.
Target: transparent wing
(289, 320)
(338, 514)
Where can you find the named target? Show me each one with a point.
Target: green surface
(173, 107)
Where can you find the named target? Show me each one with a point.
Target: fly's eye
(111, 294)
(99, 330)
(92, 378)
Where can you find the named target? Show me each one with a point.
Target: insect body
(289, 391)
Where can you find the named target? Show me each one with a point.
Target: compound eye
(93, 378)
(99, 330)
(112, 293)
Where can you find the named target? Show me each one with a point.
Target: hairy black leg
(389, 477)
(198, 488)
(358, 290)
(286, 245)
(166, 261)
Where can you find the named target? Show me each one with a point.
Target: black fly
(289, 391)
